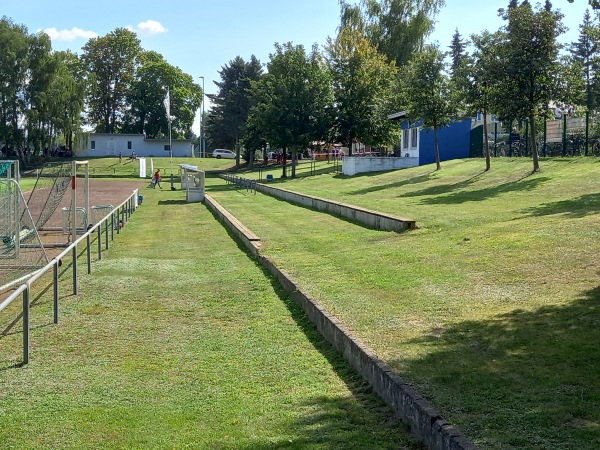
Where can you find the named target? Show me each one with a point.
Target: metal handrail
(125, 209)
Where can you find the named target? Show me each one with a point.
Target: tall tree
(293, 100)
(457, 51)
(531, 65)
(147, 113)
(111, 62)
(66, 96)
(480, 81)
(595, 4)
(586, 52)
(427, 90)
(14, 65)
(226, 120)
(363, 90)
(397, 28)
(42, 70)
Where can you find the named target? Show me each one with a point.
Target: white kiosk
(192, 180)
(182, 173)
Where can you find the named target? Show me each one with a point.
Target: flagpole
(168, 109)
(171, 153)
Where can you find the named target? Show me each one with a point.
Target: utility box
(194, 184)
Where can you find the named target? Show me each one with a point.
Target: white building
(106, 144)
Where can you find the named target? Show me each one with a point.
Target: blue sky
(201, 36)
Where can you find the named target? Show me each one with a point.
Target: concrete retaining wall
(247, 237)
(371, 219)
(351, 165)
(425, 422)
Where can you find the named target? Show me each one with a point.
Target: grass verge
(178, 339)
(491, 308)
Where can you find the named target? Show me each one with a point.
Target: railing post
(119, 222)
(88, 251)
(106, 232)
(26, 325)
(99, 242)
(75, 269)
(55, 282)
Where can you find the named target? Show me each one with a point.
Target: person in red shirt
(156, 179)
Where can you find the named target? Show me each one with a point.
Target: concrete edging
(248, 238)
(424, 420)
(366, 217)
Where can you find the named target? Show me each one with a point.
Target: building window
(93, 145)
(128, 145)
(405, 134)
(167, 147)
(414, 134)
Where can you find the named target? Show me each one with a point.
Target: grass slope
(491, 307)
(178, 339)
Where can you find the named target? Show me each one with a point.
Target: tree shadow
(397, 184)
(576, 207)
(458, 196)
(536, 370)
(361, 421)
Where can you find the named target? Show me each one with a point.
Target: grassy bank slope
(491, 307)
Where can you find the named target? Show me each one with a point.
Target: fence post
(106, 231)
(26, 325)
(100, 243)
(75, 269)
(88, 251)
(55, 282)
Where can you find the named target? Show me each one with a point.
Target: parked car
(222, 153)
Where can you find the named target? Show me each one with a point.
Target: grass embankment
(178, 339)
(491, 308)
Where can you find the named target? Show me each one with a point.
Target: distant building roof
(399, 115)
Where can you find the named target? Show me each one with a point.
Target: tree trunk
(284, 174)
(294, 158)
(536, 161)
(485, 141)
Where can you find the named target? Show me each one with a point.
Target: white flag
(167, 103)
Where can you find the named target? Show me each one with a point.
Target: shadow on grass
(383, 187)
(172, 202)
(535, 370)
(576, 207)
(474, 195)
(323, 426)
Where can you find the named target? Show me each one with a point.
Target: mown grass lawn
(491, 307)
(179, 339)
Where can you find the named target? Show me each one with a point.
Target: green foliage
(147, 112)
(14, 70)
(529, 54)
(586, 54)
(593, 3)
(227, 119)
(427, 89)
(397, 28)
(457, 51)
(111, 63)
(364, 85)
(293, 99)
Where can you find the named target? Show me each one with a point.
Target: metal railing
(239, 182)
(119, 216)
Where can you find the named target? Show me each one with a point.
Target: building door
(111, 147)
(476, 148)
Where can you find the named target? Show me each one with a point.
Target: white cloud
(148, 28)
(69, 35)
